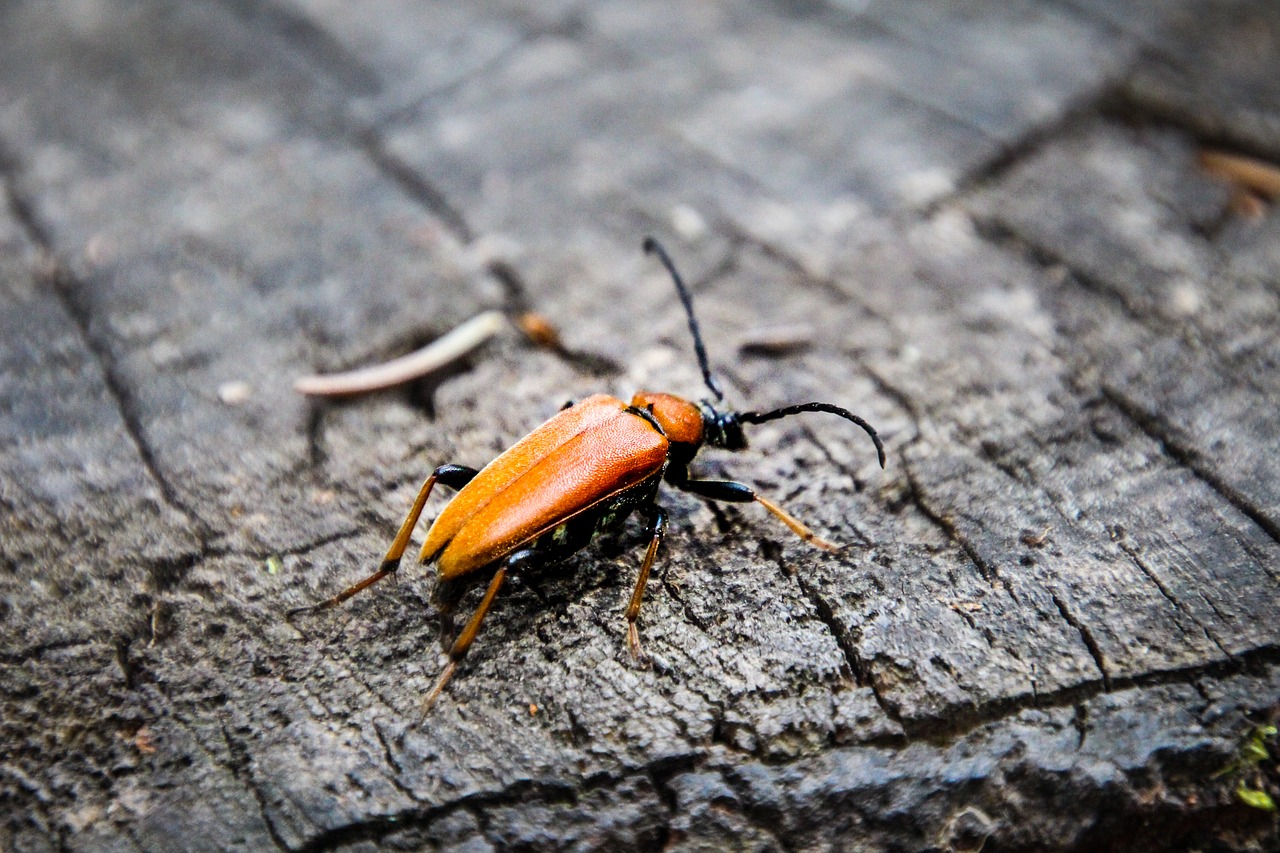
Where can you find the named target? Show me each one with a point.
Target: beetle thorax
(690, 425)
(679, 419)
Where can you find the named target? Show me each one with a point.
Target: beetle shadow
(421, 393)
(535, 600)
(517, 303)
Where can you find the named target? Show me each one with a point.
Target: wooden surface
(1056, 615)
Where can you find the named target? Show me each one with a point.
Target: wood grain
(990, 221)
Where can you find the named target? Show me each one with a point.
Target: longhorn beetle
(580, 473)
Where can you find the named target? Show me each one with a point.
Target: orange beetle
(580, 473)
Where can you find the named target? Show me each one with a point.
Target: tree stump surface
(1054, 619)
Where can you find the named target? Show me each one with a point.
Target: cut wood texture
(1054, 617)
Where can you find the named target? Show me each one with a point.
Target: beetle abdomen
(584, 455)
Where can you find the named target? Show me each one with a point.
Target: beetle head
(688, 426)
(722, 429)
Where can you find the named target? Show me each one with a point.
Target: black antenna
(759, 418)
(653, 247)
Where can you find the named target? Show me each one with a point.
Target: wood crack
(317, 456)
(1090, 641)
(857, 666)
(1007, 238)
(861, 670)
(662, 770)
(843, 468)
(308, 547)
(987, 570)
(415, 185)
(1137, 560)
(69, 292)
(304, 37)
(377, 827)
(23, 655)
(1136, 107)
(240, 767)
(396, 770)
(1190, 458)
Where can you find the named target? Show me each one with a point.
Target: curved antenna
(759, 418)
(653, 247)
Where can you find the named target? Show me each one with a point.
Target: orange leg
(515, 562)
(659, 529)
(455, 476)
(797, 527)
(468, 635)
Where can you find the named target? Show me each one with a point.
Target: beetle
(581, 473)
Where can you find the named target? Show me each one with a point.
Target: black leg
(454, 476)
(728, 490)
(657, 529)
(720, 490)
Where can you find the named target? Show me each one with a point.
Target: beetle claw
(308, 609)
(819, 542)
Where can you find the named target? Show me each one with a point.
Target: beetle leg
(518, 560)
(658, 529)
(453, 476)
(727, 490)
(446, 628)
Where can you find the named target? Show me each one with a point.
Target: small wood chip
(235, 393)
(1034, 540)
(1246, 204)
(540, 330)
(144, 741)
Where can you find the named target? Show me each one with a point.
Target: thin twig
(443, 350)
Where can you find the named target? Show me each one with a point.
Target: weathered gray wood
(1214, 74)
(1054, 619)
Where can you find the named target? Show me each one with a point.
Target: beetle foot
(447, 674)
(327, 604)
(633, 642)
(819, 542)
